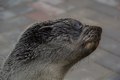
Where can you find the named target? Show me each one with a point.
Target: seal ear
(45, 33)
(46, 29)
(36, 34)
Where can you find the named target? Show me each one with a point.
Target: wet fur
(45, 51)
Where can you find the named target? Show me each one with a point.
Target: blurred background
(103, 64)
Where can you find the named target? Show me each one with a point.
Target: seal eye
(77, 26)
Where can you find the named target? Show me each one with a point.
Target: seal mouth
(91, 45)
(92, 36)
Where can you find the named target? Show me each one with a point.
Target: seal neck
(53, 72)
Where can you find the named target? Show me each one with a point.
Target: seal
(47, 50)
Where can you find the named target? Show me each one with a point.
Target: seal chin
(91, 45)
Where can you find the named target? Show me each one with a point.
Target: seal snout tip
(99, 29)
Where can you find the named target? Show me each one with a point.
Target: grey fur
(48, 49)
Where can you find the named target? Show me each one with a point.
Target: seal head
(57, 44)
